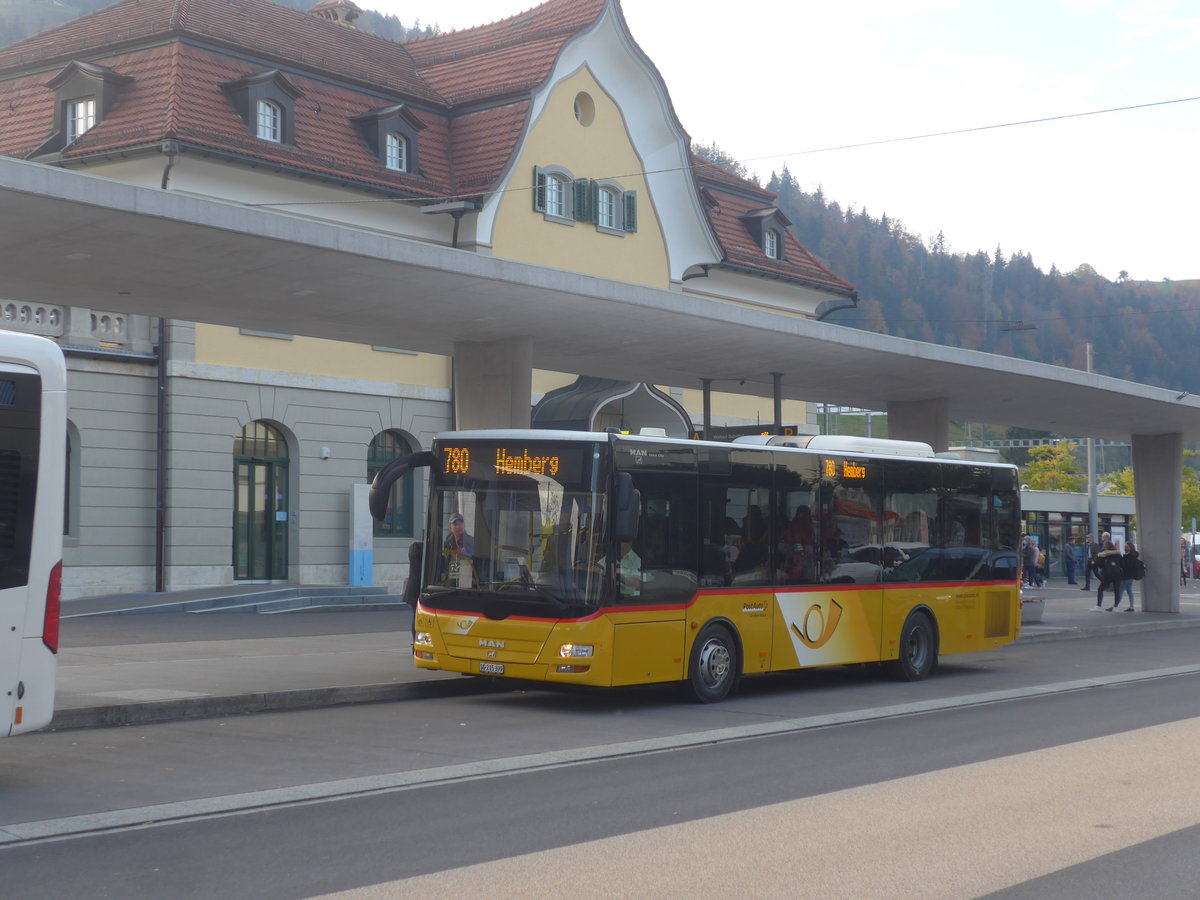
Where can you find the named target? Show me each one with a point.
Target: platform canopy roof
(69, 238)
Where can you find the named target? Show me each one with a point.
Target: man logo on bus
(816, 629)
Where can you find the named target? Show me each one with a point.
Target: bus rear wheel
(918, 649)
(712, 666)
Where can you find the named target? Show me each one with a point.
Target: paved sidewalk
(127, 669)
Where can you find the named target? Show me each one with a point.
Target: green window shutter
(539, 190)
(629, 210)
(582, 208)
(594, 200)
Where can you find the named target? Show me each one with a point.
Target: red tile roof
(514, 54)
(176, 91)
(266, 29)
(471, 89)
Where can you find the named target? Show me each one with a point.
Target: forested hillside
(1000, 303)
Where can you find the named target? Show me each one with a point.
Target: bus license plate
(491, 668)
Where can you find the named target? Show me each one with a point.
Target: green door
(260, 505)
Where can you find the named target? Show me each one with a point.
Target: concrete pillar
(920, 420)
(1158, 477)
(493, 383)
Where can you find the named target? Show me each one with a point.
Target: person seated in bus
(797, 547)
(629, 570)
(730, 553)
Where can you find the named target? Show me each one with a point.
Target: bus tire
(713, 664)
(918, 649)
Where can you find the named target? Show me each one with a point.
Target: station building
(203, 455)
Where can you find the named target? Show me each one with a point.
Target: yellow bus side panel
(969, 617)
(647, 652)
(827, 627)
(751, 615)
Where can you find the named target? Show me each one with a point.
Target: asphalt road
(1055, 769)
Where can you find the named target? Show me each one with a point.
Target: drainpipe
(171, 148)
(160, 474)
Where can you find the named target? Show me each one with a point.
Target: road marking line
(960, 832)
(157, 815)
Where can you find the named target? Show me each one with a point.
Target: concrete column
(1158, 476)
(920, 420)
(493, 383)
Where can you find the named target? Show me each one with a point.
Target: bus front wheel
(918, 649)
(712, 667)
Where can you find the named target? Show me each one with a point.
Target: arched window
(397, 152)
(771, 243)
(386, 446)
(261, 505)
(81, 117)
(556, 196)
(270, 121)
(606, 208)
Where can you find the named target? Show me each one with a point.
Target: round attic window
(585, 109)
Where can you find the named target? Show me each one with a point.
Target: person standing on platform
(1089, 562)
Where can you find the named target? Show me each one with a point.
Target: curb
(160, 711)
(163, 711)
(1035, 633)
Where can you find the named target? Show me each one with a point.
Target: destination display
(844, 468)
(515, 460)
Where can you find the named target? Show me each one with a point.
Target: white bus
(33, 444)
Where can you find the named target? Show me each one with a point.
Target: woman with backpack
(1108, 570)
(1132, 569)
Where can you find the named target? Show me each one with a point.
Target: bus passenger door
(851, 616)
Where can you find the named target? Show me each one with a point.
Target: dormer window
(391, 133)
(270, 121)
(397, 152)
(266, 103)
(81, 117)
(768, 227)
(771, 243)
(84, 93)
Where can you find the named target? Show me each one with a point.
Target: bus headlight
(576, 650)
(424, 637)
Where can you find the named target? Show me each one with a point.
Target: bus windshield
(519, 521)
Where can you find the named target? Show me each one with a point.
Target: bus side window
(735, 538)
(797, 504)
(667, 536)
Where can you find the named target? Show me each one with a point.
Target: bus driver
(457, 551)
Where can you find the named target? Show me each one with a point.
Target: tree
(1121, 482)
(716, 155)
(1052, 467)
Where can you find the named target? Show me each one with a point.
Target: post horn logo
(817, 629)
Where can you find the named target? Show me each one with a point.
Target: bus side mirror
(412, 587)
(385, 478)
(629, 508)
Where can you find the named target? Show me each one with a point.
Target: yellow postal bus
(614, 559)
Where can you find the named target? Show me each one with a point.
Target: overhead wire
(830, 149)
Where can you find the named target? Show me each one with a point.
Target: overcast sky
(773, 81)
